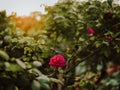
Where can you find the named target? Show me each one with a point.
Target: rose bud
(111, 70)
(108, 37)
(90, 31)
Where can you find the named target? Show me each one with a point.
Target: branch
(82, 60)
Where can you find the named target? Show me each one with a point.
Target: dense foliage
(86, 34)
(68, 24)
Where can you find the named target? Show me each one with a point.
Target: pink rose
(57, 61)
(90, 31)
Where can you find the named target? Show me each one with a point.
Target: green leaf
(56, 81)
(37, 64)
(110, 2)
(35, 71)
(106, 43)
(117, 34)
(21, 64)
(4, 55)
(16, 88)
(43, 79)
(112, 82)
(7, 38)
(107, 53)
(45, 86)
(92, 38)
(97, 44)
(35, 85)
(7, 64)
(58, 17)
(92, 7)
(12, 67)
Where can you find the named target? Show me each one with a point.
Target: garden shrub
(85, 34)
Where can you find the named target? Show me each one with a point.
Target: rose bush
(85, 33)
